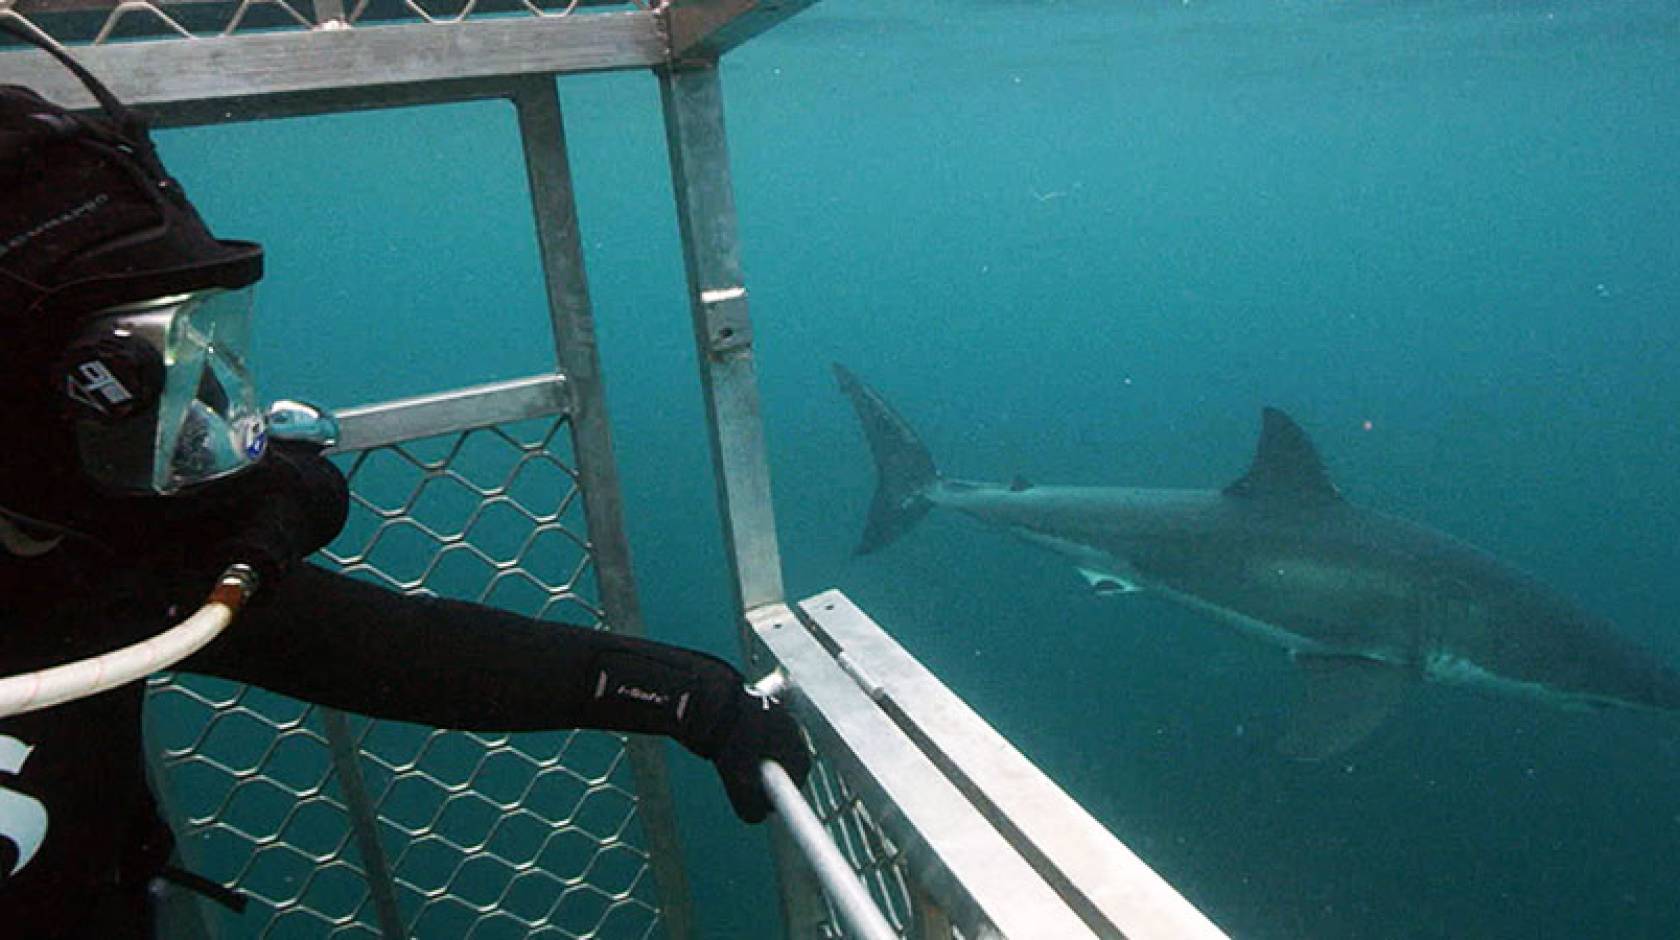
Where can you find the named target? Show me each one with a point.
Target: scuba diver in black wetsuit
(140, 464)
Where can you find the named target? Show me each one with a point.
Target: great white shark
(1365, 603)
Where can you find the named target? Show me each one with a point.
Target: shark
(1366, 604)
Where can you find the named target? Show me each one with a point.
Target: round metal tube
(851, 899)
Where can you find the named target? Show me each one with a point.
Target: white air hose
(71, 681)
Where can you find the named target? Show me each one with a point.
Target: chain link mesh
(101, 21)
(484, 836)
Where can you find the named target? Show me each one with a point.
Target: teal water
(1086, 242)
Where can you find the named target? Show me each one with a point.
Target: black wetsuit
(79, 769)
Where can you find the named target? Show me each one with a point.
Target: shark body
(1367, 604)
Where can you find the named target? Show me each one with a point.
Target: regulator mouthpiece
(302, 423)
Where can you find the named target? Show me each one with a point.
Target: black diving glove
(759, 729)
(704, 703)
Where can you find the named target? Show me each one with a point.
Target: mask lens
(208, 422)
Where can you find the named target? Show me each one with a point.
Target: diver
(138, 466)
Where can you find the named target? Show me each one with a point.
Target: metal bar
(1113, 890)
(364, 823)
(290, 62)
(801, 895)
(695, 137)
(979, 879)
(481, 406)
(706, 29)
(801, 899)
(183, 913)
(548, 169)
(328, 101)
(850, 898)
(694, 131)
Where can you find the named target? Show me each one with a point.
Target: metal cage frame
(952, 831)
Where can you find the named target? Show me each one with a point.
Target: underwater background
(1085, 241)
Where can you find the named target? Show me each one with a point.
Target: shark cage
(918, 820)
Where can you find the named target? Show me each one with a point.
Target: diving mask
(161, 392)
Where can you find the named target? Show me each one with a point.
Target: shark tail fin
(904, 468)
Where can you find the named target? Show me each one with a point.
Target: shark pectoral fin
(1107, 584)
(1343, 700)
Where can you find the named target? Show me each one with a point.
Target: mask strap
(129, 129)
(116, 110)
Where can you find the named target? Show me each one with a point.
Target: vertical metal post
(182, 914)
(694, 134)
(364, 822)
(547, 167)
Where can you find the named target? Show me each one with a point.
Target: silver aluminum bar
(542, 133)
(364, 823)
(699, 154)
(1116, 892)
(255, 65)
(328, 101)
(694, 133)
(979, 879)
(850, 898)
(480, 406)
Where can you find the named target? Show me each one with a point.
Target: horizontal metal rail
(952, 851)
(1078, 880)
(480, 406)
(205, 64)
(265, 65)
(1112, 889)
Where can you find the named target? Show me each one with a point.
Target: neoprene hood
(91, 218)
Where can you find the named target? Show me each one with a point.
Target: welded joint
(767, 617)
(565, 393)
(688, 27)
(772, 617)
(728, 324)
(329, 14)
(759, 622)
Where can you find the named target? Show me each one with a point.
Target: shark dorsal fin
(1286, 465)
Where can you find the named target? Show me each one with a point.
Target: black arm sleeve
(326, 638)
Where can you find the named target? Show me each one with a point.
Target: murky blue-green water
(1085, 242)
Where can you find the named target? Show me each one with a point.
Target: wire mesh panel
(482, 836)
